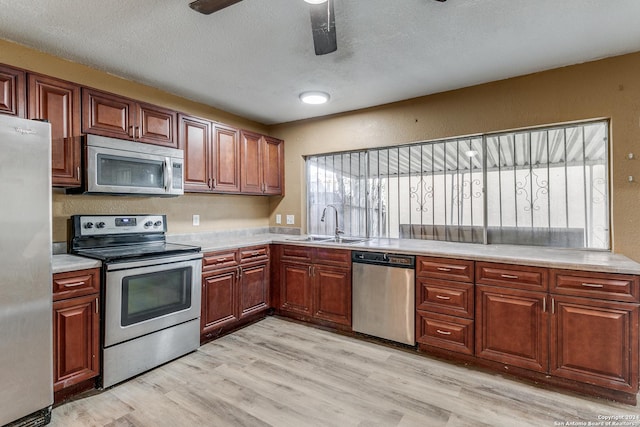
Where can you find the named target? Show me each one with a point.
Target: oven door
(142, 297)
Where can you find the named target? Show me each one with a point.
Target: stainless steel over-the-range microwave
(115, 166)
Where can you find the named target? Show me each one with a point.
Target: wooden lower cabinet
(254, 289)
(512, 327)
(315, 285)
(595, 342)
(219, 295)
(235, 289)
(332, 294)
(442, 331)
(76, 329)
(295, 292)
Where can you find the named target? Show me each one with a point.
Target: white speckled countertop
(63, 263)
(510, 254)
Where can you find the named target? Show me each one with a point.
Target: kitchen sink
(329, 239)
(312, 239)
(346, 240)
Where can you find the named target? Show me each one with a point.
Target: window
(542, 186)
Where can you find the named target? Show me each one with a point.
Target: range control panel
(98, 225)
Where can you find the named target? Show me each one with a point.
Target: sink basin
(346, 240)
(329, 239)
(311, 239)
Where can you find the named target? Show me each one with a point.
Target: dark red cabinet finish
(235, 289)
(12, 91)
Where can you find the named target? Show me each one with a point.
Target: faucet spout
(338, 232)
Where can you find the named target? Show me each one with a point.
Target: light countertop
(510, 254)
(572, 259)
(63, 263)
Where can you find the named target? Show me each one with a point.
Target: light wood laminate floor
(280, 373)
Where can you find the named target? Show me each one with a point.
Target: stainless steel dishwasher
(384, 295)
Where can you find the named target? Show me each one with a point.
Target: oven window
(151, 295)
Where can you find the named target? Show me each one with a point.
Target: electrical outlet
(196, 220)
(291, 219)
(278, 219)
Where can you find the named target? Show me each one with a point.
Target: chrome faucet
(338, 232)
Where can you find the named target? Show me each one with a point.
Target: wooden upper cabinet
(156, 125)
(251, 171)
(262, 164)
(195, 140)
(107, 115)
(226, 159)
(115, 116)
(12, 91)
(273, 165)
(58, 102)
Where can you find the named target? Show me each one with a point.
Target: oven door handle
(148, 262)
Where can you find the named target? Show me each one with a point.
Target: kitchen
(604, 88)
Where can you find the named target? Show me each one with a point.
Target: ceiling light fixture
(315, 1)
(314, 97)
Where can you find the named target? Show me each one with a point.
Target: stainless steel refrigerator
(26, 359)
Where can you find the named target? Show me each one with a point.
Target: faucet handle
(338, 231)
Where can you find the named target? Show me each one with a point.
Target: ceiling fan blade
(323, 27)
(209, 6)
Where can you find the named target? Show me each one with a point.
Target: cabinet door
(254, 289)
(59, 102)
(295, 288)
(251, 166)
(226, 159)
(219, 304)
(12, 91)
(156, 125)
(273, 165)
(108, 115)
(75, 341)
(512, 327)
(595, 342)
(332, 294)
(194, 139)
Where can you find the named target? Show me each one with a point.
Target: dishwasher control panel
(383, 258)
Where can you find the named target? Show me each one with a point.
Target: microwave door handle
(167, 174)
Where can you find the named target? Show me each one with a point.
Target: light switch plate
(278, 219)
(196, 220)
(291, 219)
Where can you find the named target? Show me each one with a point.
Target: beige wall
(216, 211)
(607, 88)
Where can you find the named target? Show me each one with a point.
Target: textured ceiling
(255, 57)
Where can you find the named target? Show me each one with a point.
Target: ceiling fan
(323, 24)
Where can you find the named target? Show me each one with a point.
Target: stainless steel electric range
(150, 294)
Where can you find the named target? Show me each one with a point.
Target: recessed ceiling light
(471, 153)
(315, 1)
(314, 97)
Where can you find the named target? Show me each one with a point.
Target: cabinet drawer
(445, 268)
(220, 259)
(332, 257)
(254, 253)
(76, 283)
(614, 287)
(512, 276)
(447, 332)
(445, 297)
(296, 253)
